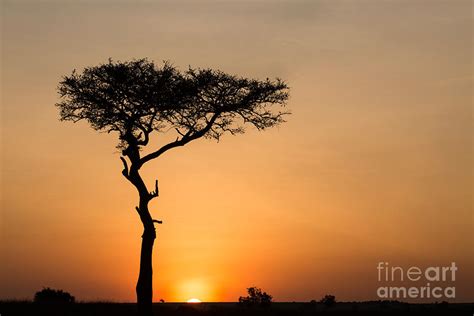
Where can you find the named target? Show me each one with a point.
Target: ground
(230, 309)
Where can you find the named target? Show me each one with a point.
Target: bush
(256, 297)
(328, 300)
(47, 295)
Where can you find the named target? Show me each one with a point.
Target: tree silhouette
(136, 98)
(328, 300)
(256, 297)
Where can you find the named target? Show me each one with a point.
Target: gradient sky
(375, 164)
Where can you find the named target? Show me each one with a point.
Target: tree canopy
(136, 98)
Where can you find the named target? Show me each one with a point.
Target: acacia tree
(137, 98)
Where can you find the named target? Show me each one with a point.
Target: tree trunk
(144, 287)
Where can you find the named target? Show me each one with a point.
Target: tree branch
(179, 132)
(125, 168)
(181, 142)
(155, 193)
(153, 220)
(145, 133)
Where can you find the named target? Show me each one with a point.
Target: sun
(194, 300)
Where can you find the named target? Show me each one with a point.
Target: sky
(375, 164)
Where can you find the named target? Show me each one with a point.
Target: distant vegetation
(256, 297)
(47, 295)
(314, 308)
(328, 300)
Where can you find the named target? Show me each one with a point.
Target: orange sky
(375, 164)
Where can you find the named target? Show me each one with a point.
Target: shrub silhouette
(256, 297)
(328, 300)
(47, 295)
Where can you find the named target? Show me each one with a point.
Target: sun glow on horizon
(193, 300)
(195, 290)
